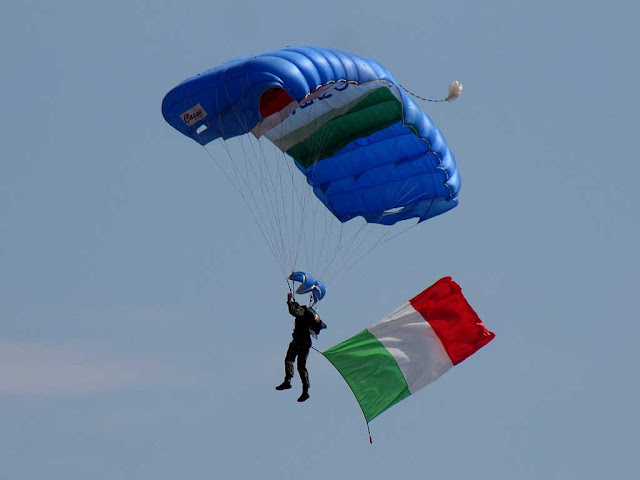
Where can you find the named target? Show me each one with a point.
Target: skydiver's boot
(305, 394)
(284, 385)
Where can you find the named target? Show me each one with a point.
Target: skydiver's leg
(303, 354)
(289, 358)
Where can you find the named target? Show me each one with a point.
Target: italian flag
(410, 347)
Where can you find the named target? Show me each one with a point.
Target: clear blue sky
(142, 323)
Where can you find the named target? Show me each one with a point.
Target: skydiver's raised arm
(294, 307)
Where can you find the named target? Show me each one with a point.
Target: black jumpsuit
(305, 323)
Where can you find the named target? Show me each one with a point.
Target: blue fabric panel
(327, 65)
(373, 201)
(389, 146)
(391, 175)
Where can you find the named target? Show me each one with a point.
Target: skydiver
(307, 322)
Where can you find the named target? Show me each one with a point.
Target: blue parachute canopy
(306, 282)
(318, 291)
(364, 146)
(309, 285)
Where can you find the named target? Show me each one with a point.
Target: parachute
(308, 284)
(370, 157)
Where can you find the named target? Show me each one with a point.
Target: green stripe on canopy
(371, 372)
(377, 110)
